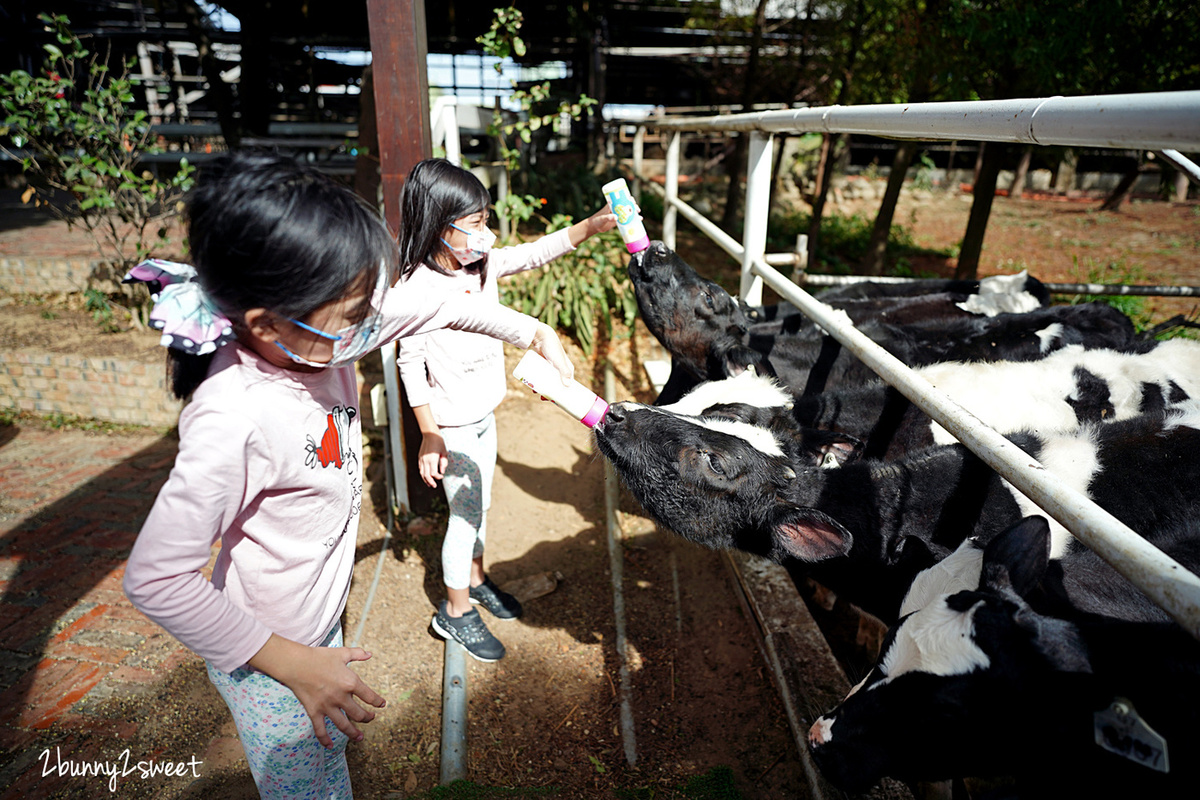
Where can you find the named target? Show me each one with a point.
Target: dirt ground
(545, 719)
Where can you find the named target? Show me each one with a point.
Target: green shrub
(843, 242)
(579, 290)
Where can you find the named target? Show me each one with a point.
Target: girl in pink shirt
(291, 285)
(454, 379)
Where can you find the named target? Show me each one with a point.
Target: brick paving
(71, 503)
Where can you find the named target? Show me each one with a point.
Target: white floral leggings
(285, 757)
(468, 485)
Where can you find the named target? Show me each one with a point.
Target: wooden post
(403, 130)
(401, 94)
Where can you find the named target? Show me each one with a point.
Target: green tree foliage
(79, 139)
(589, 287)
(579, 290)
(538, 110)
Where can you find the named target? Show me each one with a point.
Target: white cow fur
(938, 640)
(1001, 392)
(1001, 294)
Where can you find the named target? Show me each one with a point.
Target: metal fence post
(639, 150)
(671, 185)
(758, 208)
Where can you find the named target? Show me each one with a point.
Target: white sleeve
(408, 311)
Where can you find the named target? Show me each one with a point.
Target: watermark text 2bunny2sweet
(120, 767)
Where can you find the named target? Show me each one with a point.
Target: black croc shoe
(500, 603)
(470, 631)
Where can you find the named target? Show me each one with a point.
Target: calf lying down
(867, 528)
(978, 680)
(1069, 387)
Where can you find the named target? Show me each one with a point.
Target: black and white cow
(1068, 387)
(867, 528)
(977, 681)
(710, 337)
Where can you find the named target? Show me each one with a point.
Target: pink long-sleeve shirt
(270, 464)
(460, 374)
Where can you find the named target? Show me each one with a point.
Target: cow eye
(708, 301)
(714, 463)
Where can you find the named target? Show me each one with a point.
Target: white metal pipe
(817, 279)
(639, 153)
(1148, 121)
(709, 228)
(501, 196)
(1122, 289)
(453, 146)
(395, 428)
(1163, 579)
(1182, 163)
(758, 206)
(671, 185)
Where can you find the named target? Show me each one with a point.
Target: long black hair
(267, 232)
(435, 194)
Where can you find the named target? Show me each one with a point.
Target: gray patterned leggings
(468, 485)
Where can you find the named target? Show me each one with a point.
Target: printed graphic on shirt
(335, 450)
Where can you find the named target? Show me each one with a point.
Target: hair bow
(188, 318)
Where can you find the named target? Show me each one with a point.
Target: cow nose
(615, 413)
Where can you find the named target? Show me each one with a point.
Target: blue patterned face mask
(479, 243)
(187, 317)
(352, 342)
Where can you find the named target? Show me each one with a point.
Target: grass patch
(1114, 272)
(844, 241)
(58, 421)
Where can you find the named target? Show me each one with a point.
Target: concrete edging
(805, 672)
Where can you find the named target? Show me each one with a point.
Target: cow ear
(739, 358)
(834, 449)
(1018, 557)
(751, 313)
(809, 535)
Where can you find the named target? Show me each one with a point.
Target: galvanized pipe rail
(1163, 579)
(1155, 121)
(1148, 121)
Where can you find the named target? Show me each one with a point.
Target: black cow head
(962, 684)
(695, 319)
(722, 483)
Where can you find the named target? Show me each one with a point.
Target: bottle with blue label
(629, 221)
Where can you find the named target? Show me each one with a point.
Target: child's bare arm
(322, 680)
(432, 458)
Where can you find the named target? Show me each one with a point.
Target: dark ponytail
(435, 194)
(267, 232)
(186, 371)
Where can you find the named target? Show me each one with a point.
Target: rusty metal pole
(398, 49)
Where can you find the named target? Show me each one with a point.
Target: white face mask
(479, 243)
(352, 342)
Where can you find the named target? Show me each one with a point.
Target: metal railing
(1161, 121)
